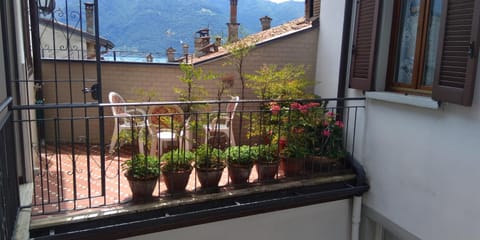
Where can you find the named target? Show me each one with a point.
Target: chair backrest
(162, 116)
(114, 97)
(232, 107)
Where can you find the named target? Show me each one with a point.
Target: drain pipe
(342, 75)
(356, 216)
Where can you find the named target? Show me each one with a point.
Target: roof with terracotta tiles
(288, 28)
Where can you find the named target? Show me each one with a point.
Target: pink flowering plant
(330, 142)
(297, 122)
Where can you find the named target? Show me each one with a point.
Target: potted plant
(329, 148)
(176, 169)
(209, 165)
(297, 133)
(142, 173)
(267, 161)
(240, 162)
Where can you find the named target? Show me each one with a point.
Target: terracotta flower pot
(292, 166)
(321, 163)
(266, 171)
(209, 177)
(176, 182)
(239, 174)
(142, 189)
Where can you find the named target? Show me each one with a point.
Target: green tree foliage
(239, 51)
(193, 90)
(286, 83)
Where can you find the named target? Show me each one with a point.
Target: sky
(280, 1)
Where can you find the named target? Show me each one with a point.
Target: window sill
(411, 100)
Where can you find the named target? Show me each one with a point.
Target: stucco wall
(329, 47)
(327, 221)
(48, 48)
(125, 78)
(422, 164)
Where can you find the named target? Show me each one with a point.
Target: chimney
(233, 25)
(90, 29)
(171, 54)
(266, 22)
(89, 17)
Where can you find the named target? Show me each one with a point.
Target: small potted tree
(142, 173)
(176, 169)
(240, 162)
(267, 161)
(209, 165)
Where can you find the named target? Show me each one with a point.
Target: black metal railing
(316, 136)
(75, 53)
(9, 195)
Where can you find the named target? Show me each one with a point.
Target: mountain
(155, 25)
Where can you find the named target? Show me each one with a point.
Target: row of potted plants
(142, 172)
(297, 133)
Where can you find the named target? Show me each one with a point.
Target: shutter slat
(363, 55)
(455, 71)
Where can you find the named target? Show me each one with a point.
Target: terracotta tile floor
(69, 181)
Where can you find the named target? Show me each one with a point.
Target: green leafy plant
(142, 167)
(242, 155)
(238, 53)
(209, 157)
(193, 90)
(285, 83)
(271, 82)
(330, 143)
(299, 125)
(177, 160)
(266, 153)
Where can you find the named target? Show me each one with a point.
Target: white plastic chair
(125, 120)
(223, 125)
(160, 125)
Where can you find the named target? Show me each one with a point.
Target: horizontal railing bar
(227, 101)
(94, 104)
(5, 103)
(55, 106)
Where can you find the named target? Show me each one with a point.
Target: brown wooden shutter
(364, 41)
(457, 58)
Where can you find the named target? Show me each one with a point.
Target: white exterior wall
(327, 221)
(47, 35)
(422, 164)
(329, 47)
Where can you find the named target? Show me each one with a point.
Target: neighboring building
(62, 41)
(417, 65)
(269, 35)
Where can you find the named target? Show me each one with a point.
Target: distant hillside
(156, 25)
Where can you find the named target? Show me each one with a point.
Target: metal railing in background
(69, 174)
(9, 195)
(75, 53)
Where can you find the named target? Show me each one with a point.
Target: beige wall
(325, 221)
(125, 78)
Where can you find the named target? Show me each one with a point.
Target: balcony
(80, 183)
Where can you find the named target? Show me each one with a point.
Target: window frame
(456, 61)
(416, 86)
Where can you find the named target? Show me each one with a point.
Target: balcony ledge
(165, 214)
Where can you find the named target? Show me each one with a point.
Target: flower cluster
(296, 126)
(330, 143)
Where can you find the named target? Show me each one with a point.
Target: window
(433, 48)
(415, 30)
